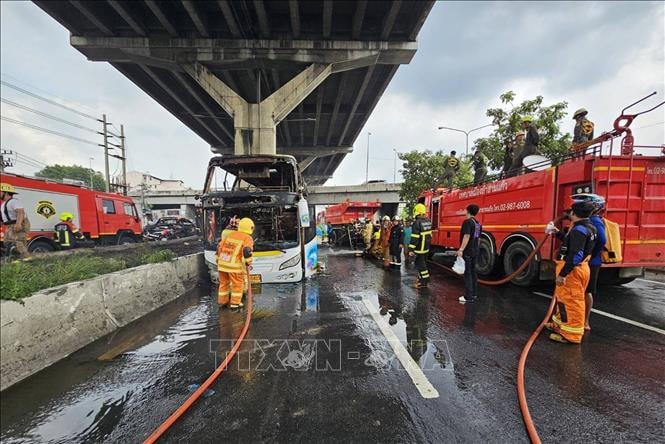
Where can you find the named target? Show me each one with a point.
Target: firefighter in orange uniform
(572, 269)
(234, 254)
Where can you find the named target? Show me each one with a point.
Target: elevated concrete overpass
(293, 77)
(386, 193)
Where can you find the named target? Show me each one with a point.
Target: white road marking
(650, 281)
(613, 316)
(421, 382)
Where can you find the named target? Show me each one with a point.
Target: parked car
(179, 226)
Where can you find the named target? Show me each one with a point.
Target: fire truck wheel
(486, 258)
(514, 256)
(126, 239)
(41, 246)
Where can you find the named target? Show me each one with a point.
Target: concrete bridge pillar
(256, 123)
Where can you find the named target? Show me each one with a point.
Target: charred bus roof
(275, 175)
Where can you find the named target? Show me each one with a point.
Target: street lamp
(465, 133)
(367, 160)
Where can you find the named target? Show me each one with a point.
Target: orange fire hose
(159, 431)
(521, 392)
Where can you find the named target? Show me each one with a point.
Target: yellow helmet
(66, 215)
(7, 188)
(526, 119)
(246, 225)
(419, 209)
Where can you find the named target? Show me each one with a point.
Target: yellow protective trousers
(568, 319)
(233, 284)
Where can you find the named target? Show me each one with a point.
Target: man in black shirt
(421, 240)
(468, 250)
(530, 144)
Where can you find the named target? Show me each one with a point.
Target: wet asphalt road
(316, 367)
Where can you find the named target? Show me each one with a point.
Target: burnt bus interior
(263, 189)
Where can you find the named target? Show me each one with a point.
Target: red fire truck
(344, 218)
(515, 211)
(106, 218)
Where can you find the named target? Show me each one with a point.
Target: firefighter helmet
(527, 119)
(66, 215)
(386, 217)
(246, 225)
(580, 113)
(396, 218)
(419, 209)
(7, 188)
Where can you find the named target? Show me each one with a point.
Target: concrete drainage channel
(51, 324)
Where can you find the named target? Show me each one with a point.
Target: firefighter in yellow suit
(234, 254)
(572, 269)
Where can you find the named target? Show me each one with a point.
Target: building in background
(137, 181)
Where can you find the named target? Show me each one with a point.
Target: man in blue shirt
(595, 262)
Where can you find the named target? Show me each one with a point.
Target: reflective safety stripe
(425, 233)
(416, 235)
(576, 330)
(229, 268)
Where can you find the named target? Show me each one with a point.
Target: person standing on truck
(583, 131)
(468, 250)
(421, 239)
(530, 144)
(480, 162)
(65, 233)
(14, 217)
(396, 243)
(595, 262)
(451, 166)
(234, 254)
(508, 153)
(572, 270)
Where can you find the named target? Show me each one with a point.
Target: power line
(39, 128)
(30, 158)
(47, 93)
(48, 116)
(52, 102)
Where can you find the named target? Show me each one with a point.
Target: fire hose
(521, 392)
(159, 431)
(530, 426)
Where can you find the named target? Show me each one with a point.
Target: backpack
(611, 253)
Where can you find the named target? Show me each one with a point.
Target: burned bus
(268, 189)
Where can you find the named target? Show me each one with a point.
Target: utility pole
(124, 160)
(106, 154)
(367, 160)
(92, 186)
(5, 162)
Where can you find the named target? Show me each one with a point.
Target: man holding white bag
(468, 250)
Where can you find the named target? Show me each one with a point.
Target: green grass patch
(20, 279)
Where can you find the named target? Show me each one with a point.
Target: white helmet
(386, 217)
(396, 218)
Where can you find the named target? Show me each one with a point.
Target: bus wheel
(41, 246)
(486, 258)
(125, 239)
(515, 255)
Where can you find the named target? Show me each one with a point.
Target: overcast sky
(598, 55)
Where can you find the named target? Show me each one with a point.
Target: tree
(76, 172)
(507, 123)
(422, 169)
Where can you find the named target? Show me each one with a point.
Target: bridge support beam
(256, 123)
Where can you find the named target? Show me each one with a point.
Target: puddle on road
(410, 324)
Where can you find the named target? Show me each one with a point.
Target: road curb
(53, 323)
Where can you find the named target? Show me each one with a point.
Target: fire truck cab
(105, 218)
(515, 211)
